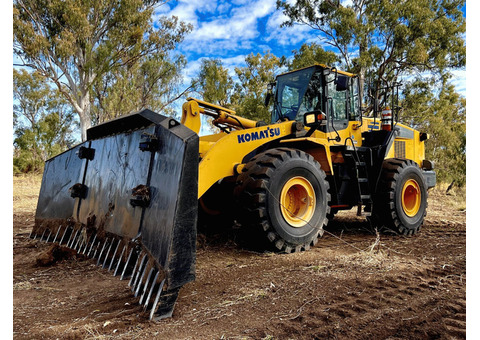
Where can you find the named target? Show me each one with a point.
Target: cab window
(313, 98)
(338, 103)
(354, 100)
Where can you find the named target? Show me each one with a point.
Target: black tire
(263, 179)
(401, 203)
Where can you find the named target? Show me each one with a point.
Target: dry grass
(25, 192)
(456, 197)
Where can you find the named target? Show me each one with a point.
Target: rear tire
(283, 194)
(401, 204)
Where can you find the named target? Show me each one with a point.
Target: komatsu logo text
(251, 136)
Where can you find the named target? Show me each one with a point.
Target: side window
(338, 103)
(354, 100)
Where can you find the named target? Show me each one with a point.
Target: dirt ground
(352, 285)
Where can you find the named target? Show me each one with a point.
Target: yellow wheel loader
(131, 195)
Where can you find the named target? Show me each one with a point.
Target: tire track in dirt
(432, 293)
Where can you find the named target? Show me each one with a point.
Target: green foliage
(310, 54)
(42, 122)
(213, 82)
(246, 94)
(384, 39)
(84, 44)
(249, 97)
(443, 116)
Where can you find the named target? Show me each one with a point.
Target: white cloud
(232, 26)
(286, 36)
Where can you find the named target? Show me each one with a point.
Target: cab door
(337, 103)
(342, 106)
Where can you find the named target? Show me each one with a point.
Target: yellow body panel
(316, 147)
(221, 152)
(220, 160)
(407, 144)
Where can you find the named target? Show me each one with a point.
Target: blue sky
(230, 30)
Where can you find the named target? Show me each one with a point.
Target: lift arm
(192, 109)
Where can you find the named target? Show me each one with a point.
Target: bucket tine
(137, 273)
(66, 229)
(165, 304)
(70, 242)
(83, 239)
(70, 237)
(119, 261)
(76, 239)
(101, 252)
(91, 246)
(151, 291)
(124, 271)
(48, 237)
(41, 238)
(113, 256)
(155, 302)
(97, 247)
(81, 245)
(86, 245)
(79, 241)
(145, 287)
(56, 235)
(132, 278)
(140, 280)
(108, 253)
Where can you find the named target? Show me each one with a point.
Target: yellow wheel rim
(297, 201)
(411, 198)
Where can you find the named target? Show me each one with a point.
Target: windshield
(289, 97)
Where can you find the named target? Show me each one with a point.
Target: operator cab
(317, 89)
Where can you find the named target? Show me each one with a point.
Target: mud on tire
(259, 187)
(401, 203)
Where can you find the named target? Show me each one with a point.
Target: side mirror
(269, 93)
(267, 98)
(314, 118)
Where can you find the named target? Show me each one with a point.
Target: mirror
(267, 98)
(269, 93)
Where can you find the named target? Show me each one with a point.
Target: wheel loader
(130, 196)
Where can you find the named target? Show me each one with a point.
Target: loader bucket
(127, 197)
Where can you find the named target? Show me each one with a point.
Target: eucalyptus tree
(386, 39)
(214, 83)
(43, 122)
(310, 54)
(251, 87)
(74, 43)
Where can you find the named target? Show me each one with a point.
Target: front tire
(401, 203)
(283, 193)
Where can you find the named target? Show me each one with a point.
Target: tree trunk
(84, 115)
